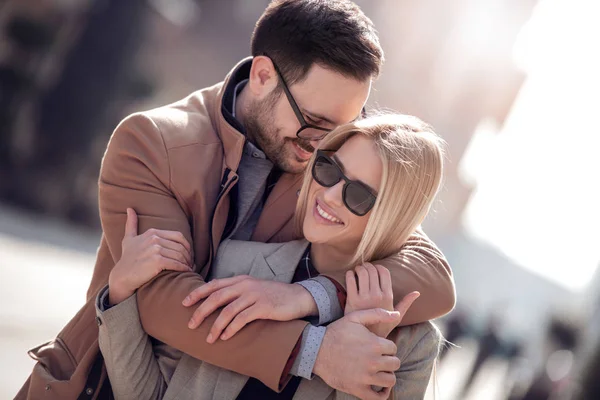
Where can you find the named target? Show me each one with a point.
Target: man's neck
(330, 258)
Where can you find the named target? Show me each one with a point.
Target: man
(227, 161)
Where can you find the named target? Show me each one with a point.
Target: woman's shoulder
(424, 338)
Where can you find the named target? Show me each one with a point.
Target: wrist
(307, 302)
(116, 291)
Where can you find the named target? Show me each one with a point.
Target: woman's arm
(135, 371)
(418, 348)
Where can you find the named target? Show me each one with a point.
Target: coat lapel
(279, 207)
(285, 259)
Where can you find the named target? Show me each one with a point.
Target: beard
(261, 129)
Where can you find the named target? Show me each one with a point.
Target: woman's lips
(323, 215)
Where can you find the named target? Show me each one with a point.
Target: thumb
(404, 304)
(131, 226)
(374, 316)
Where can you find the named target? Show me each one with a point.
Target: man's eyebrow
(339, 163)
(317, 116)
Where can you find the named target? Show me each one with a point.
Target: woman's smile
(324, 214)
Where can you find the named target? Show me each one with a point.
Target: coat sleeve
(136, 173)
(420, 266)
(132, 366)
(418, 348)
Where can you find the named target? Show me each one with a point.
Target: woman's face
(327, 219)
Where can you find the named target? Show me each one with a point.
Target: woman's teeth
(328, 217)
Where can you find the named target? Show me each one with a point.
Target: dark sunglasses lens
(358, 198)
(325, 172)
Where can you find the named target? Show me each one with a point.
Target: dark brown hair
(335, 34)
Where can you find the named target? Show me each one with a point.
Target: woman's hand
(373, 289)
(145, 256)
(247, 299)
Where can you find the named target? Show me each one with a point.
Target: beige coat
(139, 370)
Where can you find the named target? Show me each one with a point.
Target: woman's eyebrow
(339, 163)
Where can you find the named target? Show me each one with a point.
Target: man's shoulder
(189, 121)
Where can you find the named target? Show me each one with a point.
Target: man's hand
(353, 359)
(145, 256)
(247, 299)
(373, 289)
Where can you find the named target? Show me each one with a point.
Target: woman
(366, 190)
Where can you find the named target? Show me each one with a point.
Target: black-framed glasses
(357, 197)
(307, 131)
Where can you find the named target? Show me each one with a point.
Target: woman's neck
(329, 258)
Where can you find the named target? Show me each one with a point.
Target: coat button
(47, 387)
(89, 391)
(98, 321)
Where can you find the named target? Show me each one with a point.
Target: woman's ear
(263, 77)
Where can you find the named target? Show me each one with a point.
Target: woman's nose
(333, 195)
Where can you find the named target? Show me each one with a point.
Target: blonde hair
(412, 156)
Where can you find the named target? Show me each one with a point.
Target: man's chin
(293, 165)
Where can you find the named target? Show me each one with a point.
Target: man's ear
(263, 77)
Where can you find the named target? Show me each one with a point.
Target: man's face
(325, 98)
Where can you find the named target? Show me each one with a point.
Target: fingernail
(191, 325)
(209, 339)
(224, 336)
(186, 301)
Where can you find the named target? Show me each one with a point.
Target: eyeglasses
(307, 131)
(357, 196)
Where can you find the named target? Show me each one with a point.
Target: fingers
(385, 281)
(211, 304)
(404, 304)
(209, 288)
(367, 393)
(351, 288)
(384, 379)
(131, 225)
(363, 280)
(373, 316)
(388, 364)
(173, 255)
(386, 347)
(172, 265)
(171, 245)
(374, 286)
(170, 235)
(241, 320)
(226, 316)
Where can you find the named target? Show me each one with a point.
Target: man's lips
(302, 153)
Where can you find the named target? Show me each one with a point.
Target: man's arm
(418, 266)
(136, 173)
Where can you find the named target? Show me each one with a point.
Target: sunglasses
(307, 131)
(357, 197)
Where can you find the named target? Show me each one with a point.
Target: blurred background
(512, 85)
